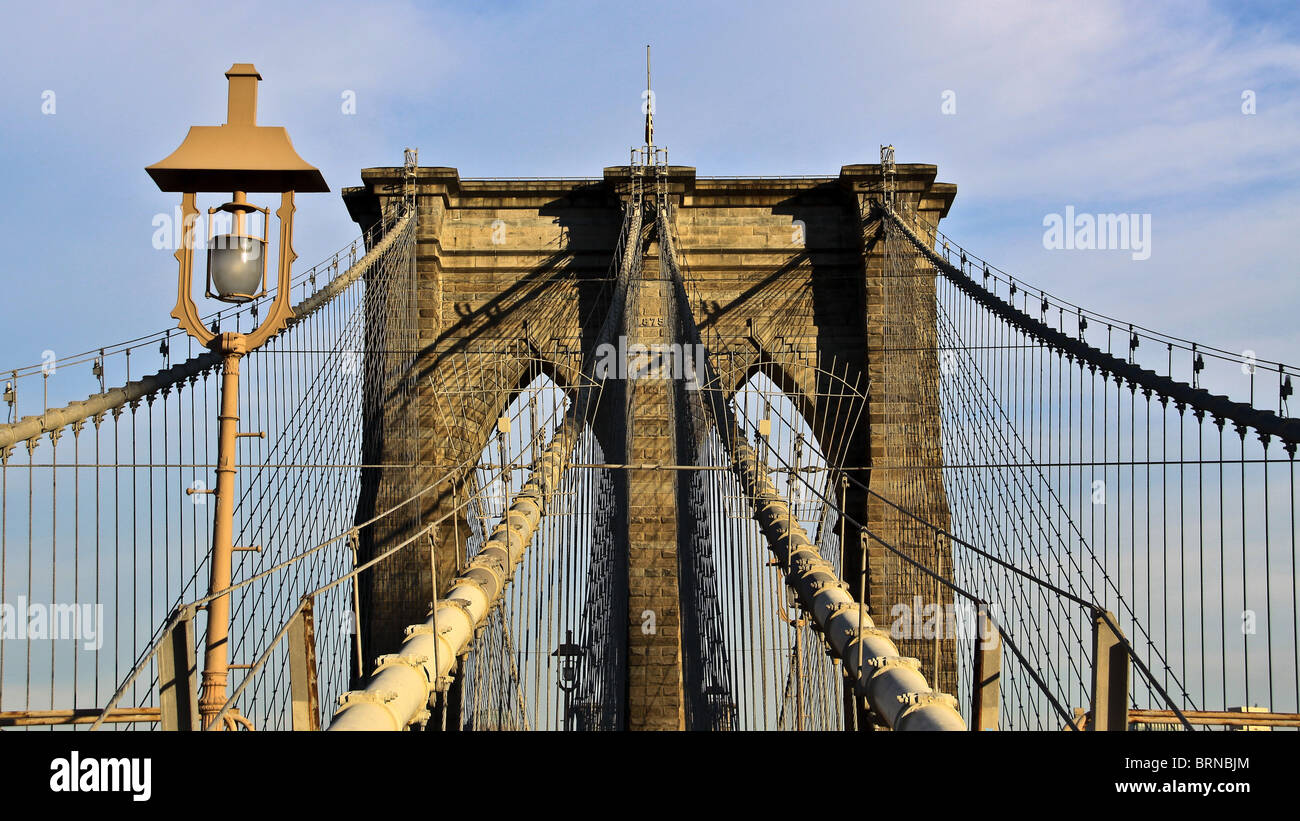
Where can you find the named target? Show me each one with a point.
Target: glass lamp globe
(236, 267)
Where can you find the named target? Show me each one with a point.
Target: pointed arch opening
(760, 664)
(549, 657)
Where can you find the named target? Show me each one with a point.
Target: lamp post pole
(216, 657)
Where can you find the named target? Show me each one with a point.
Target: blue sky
(1110, 107)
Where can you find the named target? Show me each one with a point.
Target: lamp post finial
(241, 104)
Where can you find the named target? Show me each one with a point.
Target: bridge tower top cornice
(914, 179)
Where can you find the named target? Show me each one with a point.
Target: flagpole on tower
(649, 104)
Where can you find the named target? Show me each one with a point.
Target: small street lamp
(240, 157)
(570, 655)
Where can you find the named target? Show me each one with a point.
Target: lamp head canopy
(239, 155)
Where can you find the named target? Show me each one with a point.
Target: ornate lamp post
(239, 157)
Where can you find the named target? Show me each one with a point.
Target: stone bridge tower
(782, 269)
